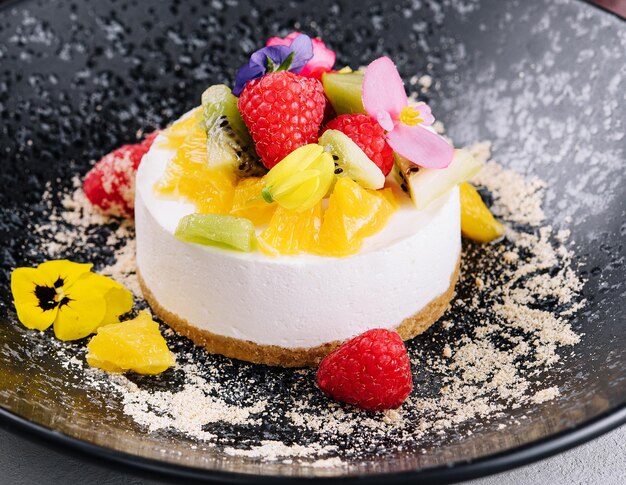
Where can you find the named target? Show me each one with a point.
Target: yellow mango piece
(248, 203)
(291, 232)
(477, 222)
(188, 176)
(134, 345)
(353, 214)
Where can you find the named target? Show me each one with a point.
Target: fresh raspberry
(110, 184)
(371, 371)
(282, 111)
(369, 135)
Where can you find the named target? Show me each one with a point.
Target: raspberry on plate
(368, 135)
(110, 184)
(371, 371)
(283, 111)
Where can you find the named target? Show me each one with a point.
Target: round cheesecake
(293, 310)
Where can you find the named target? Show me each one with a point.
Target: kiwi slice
(424, 185)
(228, 142)
(343, 90)
(217, 230)
(351, 161)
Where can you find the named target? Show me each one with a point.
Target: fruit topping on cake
(292, 232)
(228, 141)
(276, 149)
(371, 371)
(283, 111)
(250, 204)
(344, 90)
(425, 185)
(353, 214)
(369, 136)
(217, 230)
(351, 161)
(267, 152)
(189, 176)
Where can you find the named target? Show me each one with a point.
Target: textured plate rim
(453, 472)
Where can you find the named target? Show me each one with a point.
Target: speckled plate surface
(545, 81)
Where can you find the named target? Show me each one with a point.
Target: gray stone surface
(601, 461)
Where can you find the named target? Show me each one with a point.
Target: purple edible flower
(275, 58)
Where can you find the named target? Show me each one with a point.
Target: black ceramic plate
(545, 81)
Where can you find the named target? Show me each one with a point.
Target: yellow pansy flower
(69, 296)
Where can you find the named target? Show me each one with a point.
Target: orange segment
(292, 232)
(188, 176)
(477, 222)
(175, 134)
(135, 345)
(248, 203)
(353, 214)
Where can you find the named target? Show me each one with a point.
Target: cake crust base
(290, 357)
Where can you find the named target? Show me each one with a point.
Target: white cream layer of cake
(294, 301)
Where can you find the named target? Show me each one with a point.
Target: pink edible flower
(323, 58)
(385, 100)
